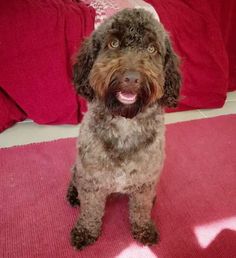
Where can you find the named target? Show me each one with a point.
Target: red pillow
(10, 113)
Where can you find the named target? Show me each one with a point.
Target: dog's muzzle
(130, 80)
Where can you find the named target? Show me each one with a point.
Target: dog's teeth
(126, 98)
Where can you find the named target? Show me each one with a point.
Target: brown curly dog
(128, 72)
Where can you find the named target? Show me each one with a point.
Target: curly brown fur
(128, 72)
(96, 65)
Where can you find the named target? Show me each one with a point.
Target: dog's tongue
(126, 97)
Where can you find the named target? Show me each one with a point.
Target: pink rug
(195, 212)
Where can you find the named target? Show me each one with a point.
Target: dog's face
(128, 63)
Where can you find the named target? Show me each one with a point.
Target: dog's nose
(131, 77)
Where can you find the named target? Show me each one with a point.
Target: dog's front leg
(140, 206)
(88, 226)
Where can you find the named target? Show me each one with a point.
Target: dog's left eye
(114, 43)
(151, 49)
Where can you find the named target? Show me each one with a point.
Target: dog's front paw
(146, 234)
(81, 237)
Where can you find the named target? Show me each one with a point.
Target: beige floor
(29, 132)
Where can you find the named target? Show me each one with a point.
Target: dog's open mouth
(126, 97)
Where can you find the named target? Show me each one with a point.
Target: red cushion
(10, 113)
(224, 12)
(38, 39)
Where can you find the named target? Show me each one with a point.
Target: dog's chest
(121, 153)
(123, 137)
(120, 180)
(141, 169)
(124, 132)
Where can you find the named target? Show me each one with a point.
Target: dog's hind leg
(72, 193)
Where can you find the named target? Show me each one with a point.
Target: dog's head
(128, 63)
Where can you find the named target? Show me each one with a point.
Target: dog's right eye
(151, 49)
(114, 43)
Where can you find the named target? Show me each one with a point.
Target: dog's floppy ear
(172, 77)
(83, 64)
